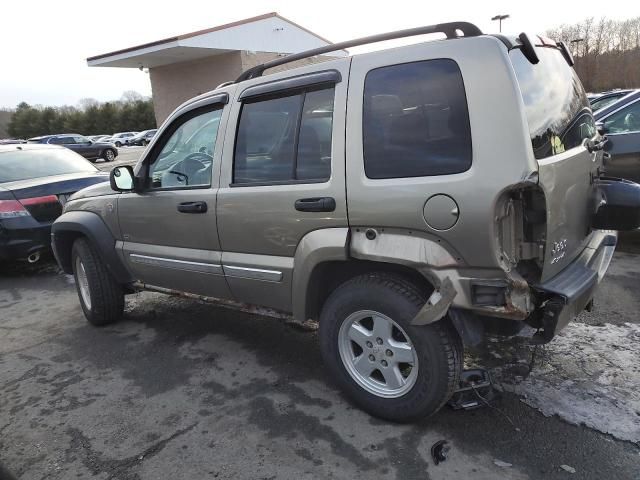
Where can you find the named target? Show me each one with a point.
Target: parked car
(82, 145)
(98, 138)
(120, 139)
(407, 199)
(142, 138)
(35, 183)
(607, 98)
(620, 122)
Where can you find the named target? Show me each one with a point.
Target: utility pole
(500, 18)
(576, 42)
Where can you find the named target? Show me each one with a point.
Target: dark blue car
(35, 182)
(80, 144)
(620, 122)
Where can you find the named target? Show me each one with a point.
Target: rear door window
(285, 139)
(416, 121)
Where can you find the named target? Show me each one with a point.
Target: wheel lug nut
(372, 358)
(384, 363)
(369, 344)
(389, 353)
(379, 341)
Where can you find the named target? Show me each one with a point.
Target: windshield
(555, 103)
(25, 164)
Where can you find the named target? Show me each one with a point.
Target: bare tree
(608, 53)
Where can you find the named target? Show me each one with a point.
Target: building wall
(174, 84)
(251, 59)
(171, 85)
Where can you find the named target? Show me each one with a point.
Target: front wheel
(118, 144)
(109, 155)
(390, 368)
(101, 296)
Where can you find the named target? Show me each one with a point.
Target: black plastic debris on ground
(439, 451)
(475, 391)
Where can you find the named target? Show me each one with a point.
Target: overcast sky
(44, 44)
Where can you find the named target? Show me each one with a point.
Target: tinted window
(415, 120)
(285, 138)
(186, 159)
(62, 140)
(553, 99)
(24, 164)
(625, 120)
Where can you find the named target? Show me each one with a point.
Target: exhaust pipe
(34, 257)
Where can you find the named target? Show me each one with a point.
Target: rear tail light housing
(38, 200)
(22, 207)
(12, 209)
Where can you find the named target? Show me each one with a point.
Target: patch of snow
(587, 375)
(568, 468)
(500, 463)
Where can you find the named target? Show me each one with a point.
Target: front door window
(186, 159)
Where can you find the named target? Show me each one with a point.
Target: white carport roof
(265, 33)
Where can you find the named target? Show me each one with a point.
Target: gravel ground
(126, 156)
(181, 389)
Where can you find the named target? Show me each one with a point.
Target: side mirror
(601, 128)
(121, 178)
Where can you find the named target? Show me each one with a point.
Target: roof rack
(449, 29)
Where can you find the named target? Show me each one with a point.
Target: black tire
(105, 293)
(118, 144)
(106, 154)
(438, 346)
(145, 143)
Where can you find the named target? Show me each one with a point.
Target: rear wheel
(109, 155)
(390, 368)
(118, 144)
(101, 296)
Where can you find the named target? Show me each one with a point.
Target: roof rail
(449, 29)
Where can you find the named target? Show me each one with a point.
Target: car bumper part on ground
(572, 290)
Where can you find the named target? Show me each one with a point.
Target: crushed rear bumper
(572, 290)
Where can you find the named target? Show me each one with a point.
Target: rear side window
(284, 139)
(556, 106)
(416, 121)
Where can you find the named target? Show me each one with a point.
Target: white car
(120, 139)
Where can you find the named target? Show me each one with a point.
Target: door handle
(192, 207)
(316, 204)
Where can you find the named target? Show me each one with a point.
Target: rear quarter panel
(502, 153)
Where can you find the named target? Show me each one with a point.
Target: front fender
(72, 225)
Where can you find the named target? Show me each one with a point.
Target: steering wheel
(190, 166)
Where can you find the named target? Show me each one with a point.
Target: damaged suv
(406, 199)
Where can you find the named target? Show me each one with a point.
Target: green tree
(133, 112)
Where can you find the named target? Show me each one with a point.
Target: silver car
(408, 199)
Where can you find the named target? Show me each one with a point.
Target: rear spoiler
(527, 46)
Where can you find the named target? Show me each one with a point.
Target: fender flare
(319, 246)
(71, 225)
